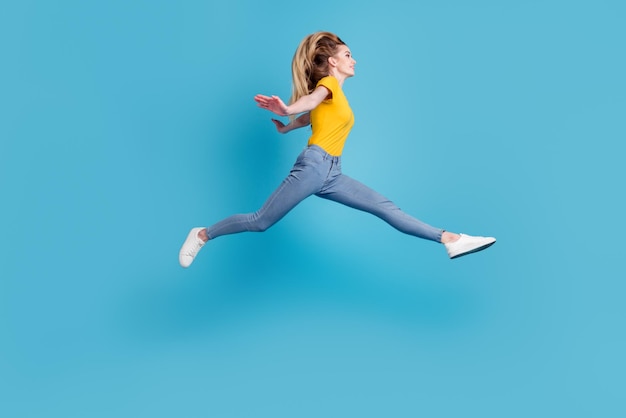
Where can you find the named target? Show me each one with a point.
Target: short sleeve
(330, 83)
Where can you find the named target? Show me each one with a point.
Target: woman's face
(343, 61)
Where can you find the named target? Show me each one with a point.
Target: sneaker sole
(475, 250)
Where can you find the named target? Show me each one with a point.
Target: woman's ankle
(448, 237)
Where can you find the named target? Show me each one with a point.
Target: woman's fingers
(261, 100)
(273, 104)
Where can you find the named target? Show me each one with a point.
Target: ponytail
(310, 62)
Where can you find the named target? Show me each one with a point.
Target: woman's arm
(303, 104)
(299, 122)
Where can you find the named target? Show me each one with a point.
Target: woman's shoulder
(328, 81)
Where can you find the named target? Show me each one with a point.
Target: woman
(320, 65)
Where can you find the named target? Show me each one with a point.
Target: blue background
(124, 124)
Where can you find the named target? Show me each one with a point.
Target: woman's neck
(340, 77)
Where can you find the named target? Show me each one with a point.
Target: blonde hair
(310, 62)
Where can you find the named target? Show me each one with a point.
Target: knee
(386, 207)
(260, 223)
(262, 227)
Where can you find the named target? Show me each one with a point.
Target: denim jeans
(316, 172)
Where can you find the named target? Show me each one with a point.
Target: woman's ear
(332, 61)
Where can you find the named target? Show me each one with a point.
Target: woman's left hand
(272, 103)
(281, 127)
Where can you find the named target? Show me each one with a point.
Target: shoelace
(192, 250)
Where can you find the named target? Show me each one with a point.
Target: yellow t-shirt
(332, 119)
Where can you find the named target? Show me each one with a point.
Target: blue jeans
(319, 173)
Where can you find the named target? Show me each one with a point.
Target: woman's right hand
(272, 103)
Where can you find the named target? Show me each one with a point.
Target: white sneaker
(190, 247)
(468, 244)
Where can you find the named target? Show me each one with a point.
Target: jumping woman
(320, 66)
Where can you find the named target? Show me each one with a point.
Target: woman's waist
(323, 152)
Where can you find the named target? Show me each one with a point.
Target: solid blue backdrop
(124, 124)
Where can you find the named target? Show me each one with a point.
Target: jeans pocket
(309, 157)
(300, 158)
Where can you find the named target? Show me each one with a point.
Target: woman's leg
(304, 180)
(280, 202)
(354, 194)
